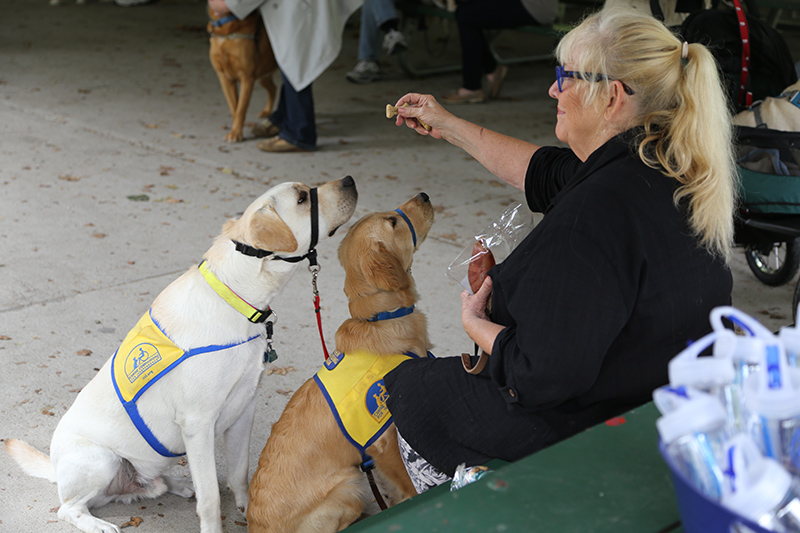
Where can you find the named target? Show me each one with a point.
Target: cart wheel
(774, 264)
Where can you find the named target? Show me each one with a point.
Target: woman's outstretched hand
(425, 108)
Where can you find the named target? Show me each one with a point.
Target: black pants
(450, 417)
(474, 16)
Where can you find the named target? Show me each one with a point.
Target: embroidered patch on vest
(141, 358)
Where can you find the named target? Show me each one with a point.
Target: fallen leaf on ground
(284, 392)
(280, 370)
(138, 198)
(134, 521)
(99, 235)
(83, 352)
(67, 177)
(4, 338)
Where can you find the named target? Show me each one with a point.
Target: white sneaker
(394, 42)
(365, 72)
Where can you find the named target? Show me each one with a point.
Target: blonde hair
(681, 103)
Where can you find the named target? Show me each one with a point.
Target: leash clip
(314, 269)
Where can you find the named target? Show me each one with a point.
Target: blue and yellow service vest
(145, 356)
(353, 386)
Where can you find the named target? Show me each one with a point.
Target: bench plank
(608, 479)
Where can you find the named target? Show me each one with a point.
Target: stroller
(768, 226)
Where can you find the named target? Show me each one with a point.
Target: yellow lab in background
(241, 53)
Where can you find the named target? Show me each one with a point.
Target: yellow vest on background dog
(353, 386)
(146, 355)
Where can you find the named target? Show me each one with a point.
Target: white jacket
(306, 35)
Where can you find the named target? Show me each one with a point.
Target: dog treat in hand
(480, 263)
(392, 111)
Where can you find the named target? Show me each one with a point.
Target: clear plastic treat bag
(490, 246)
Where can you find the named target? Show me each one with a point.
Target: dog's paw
(234, 137)
(180, 486)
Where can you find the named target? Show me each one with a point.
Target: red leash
(745, 96)
(314, 269)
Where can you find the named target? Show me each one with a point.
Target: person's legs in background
(473, 17)
(294, 121)
(377, 17)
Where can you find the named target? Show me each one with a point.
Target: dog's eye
(302, 197)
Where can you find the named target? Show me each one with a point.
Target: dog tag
(270, 356)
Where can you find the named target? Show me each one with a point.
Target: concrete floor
(100, 105)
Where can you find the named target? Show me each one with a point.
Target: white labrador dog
(103, 451)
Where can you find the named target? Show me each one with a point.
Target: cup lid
(759, 490)
(702, 413)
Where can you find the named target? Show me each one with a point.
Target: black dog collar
(311, 255)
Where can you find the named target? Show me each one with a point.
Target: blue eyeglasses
(588, 76)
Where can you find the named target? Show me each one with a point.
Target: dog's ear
(228, 228)
(382, 269)
(268, 231)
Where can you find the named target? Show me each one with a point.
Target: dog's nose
(348, 182)
(425, 197)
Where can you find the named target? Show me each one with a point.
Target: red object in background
(616, 421)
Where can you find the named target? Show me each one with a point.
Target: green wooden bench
(608, 479)
(410, 9)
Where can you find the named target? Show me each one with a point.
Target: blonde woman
(630, 258)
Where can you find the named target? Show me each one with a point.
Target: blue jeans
(295, 116)
(374, 13)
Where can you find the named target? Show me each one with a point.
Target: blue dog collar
(410, 225)
(224, 20)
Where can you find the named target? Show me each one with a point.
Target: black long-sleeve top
(604, 292)
(599, 297)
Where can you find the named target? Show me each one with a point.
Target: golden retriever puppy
(188, 372)
(309, 476)
(240, 52)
